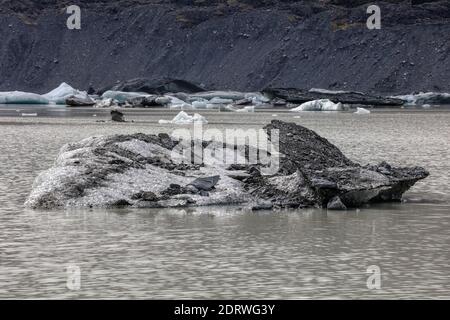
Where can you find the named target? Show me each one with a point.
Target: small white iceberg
(319, 105)
(247, 109)
(64, 91)
(361, 111)
(184, 118)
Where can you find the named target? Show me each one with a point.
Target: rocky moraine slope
(235, 44)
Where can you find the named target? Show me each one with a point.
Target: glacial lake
(225, 252)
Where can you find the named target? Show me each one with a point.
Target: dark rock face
(139, 170)
(272, 43)
(347, 97)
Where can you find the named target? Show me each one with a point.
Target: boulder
(336, 204)
(205, 184)
(75, 101)
(117, 116)
(141, 170)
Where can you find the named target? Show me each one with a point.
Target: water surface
(226, 252)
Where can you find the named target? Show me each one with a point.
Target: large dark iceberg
(140, 170)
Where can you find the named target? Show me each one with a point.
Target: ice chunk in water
(362, 111)
(60, 94)
(431, 98)
(257, 98)
(247, 109)
(218, 100)
(184, 118)
(319, 105)
(19, 97)
(121, 96)
(105, 103)
(199, 105)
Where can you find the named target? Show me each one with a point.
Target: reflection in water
(220, 252)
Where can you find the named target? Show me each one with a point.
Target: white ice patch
(361, 111)
(257, 98)
(184, 118)
(57, 96)
(53, 188)
(106, 103)
(247, 109)
(144, 149)
(48, 183)
(291, 185)
(60, 94)
(319, 105)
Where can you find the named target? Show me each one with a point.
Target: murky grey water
(225, 252)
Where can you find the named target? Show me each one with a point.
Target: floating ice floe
(64, 91)
(319, 105)
(176, 103)
(361, 111)
(218, 100)
(106, 103)
(57, 96)
(199, 104)
(257, 98)
(121, 96)
(430, 98)
(247, 109)
(184, 118)
(19, 97)
(182, 106)
(226, 95)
